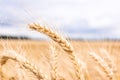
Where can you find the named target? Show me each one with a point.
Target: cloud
(79, 18)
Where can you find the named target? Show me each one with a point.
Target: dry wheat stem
(108, 59)
(55, 52)
(22, 60)
(61, 41)
(102, 64)
(55, 63)
(84, 70)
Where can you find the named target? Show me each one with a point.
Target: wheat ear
(108, 59)
(22, 60)
(61, 41)
(53, 35)
(102, 64)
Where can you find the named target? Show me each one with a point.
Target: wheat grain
(102, 64)
(61, 41)
(10, 54)
(53, 35)
(106, 56)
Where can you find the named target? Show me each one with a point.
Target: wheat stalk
(108, 59)
(84, 71)
(61, 41)
(22, 60)
(102, 64)
(54, 62)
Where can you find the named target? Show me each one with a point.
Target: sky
(86, 19)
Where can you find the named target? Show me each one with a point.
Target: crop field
(53, 62)
(58, 58)
(59, 39)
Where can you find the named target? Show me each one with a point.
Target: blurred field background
(92, 26)
(39, 52)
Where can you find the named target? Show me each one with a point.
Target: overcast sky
(87, 19)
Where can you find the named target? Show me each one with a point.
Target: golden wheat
(10, 54)
(53, 35)
(102, 64)
(55, 63)
(108, 59)
(61, 41)
(81, 71)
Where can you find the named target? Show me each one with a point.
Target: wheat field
(59, 59)
(40, 53)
